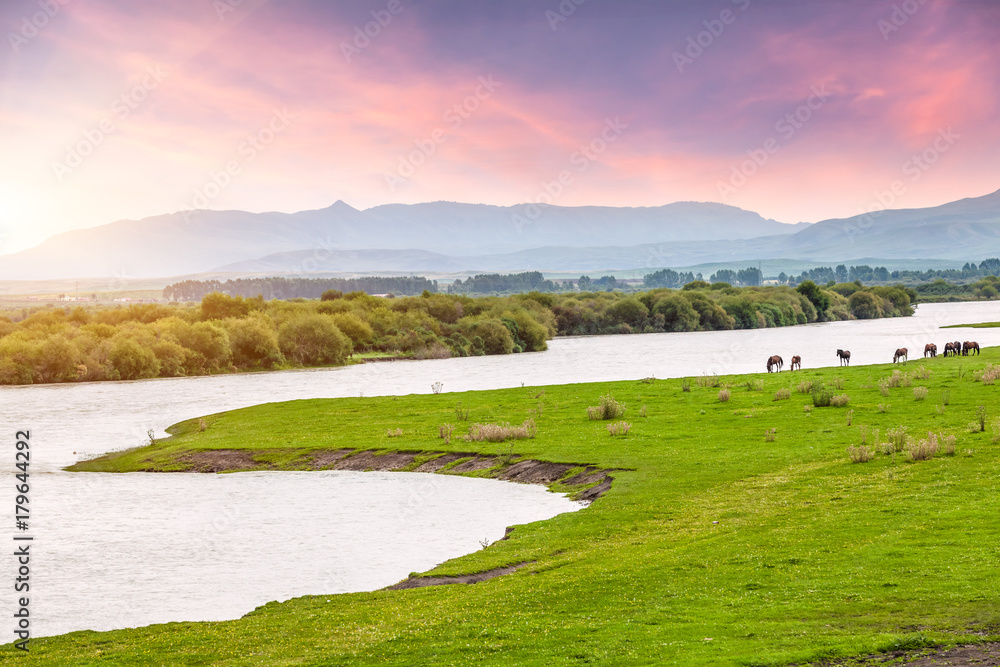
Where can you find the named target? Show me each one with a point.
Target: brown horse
(949, 347)
(845, 357)
(775, 362)
(930, 350)
(796, 363)
(957, 346)
(900, 354)
(968, 346)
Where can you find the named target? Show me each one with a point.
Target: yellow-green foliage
(232, 333)
(225, 334)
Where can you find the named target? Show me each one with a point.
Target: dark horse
(968, 346)
(796, 363)
(930, 350)
(775, 362)
(845, 357)
(950, 347)
(900, 354)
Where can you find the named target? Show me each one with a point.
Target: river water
(115, 551)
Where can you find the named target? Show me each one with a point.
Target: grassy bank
(736, 532)
(980, 325)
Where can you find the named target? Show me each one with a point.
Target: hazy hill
(476, 229)
(968, 230)
(442, 237)
(546, 259)
(203, 240)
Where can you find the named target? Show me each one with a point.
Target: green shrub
(56, 360)
(357, 330)
(311, 340)
(253, 342)
(630, 311)
(133, 361)
(609, 408)
(821, 396)
(218, 306)
(865, 305)
(496, 338)
(678, 313)
(175, 360)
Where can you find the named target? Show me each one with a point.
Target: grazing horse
(957, 346)
(775, 362)
(900, 354)
(950, 347)
(930, 349)
(845, 357)
(796, 363)
(968, 346)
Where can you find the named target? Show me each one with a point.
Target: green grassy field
(716, 547)
(980, 325)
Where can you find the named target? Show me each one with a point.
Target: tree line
(534, 281)
(495, 283)
(298, 288)
(752, 276)
(225, 333)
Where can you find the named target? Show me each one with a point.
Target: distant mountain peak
(337, 207)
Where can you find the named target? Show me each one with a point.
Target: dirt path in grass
(970, 655)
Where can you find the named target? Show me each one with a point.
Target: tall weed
(501, 432)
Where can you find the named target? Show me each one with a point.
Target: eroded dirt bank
(969, 655)
(583, 482)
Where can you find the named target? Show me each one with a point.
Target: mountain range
(442, 237)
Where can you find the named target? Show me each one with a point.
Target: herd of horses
(956, 348)
(775, 363)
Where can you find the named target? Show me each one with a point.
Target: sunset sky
(114, 109)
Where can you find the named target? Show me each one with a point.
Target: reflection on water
(113, 551)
